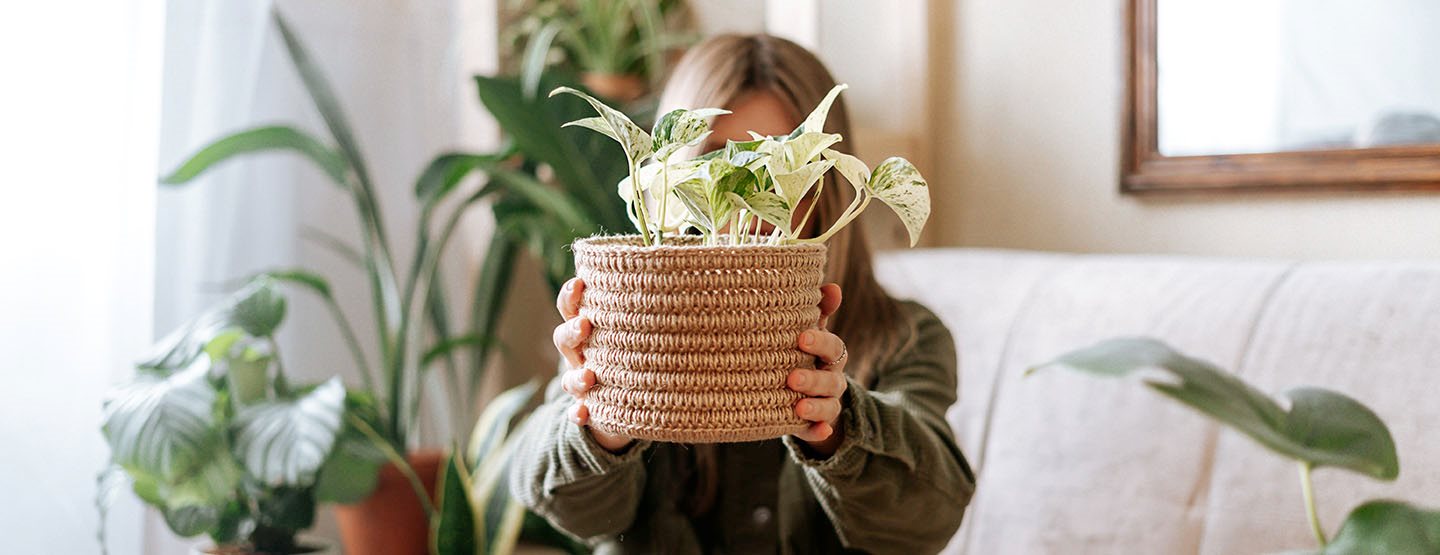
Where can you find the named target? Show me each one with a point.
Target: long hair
(718, 72)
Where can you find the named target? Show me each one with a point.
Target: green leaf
(490, 450)
(1322, 427)
(490, 291)
(197, 502)
(286, 508)
(448, 170)
(808, 147)
(854, 170)
(453, 531)
(633, 140)
(352, 471)
(792, 186)
(451, 344)
(163, 426)
(259, 308)
(181, 347)
(769, 206)
(815, 122)
(537, 52)
(285, 442)
(1389, 527)
(546, 198)
(495, 423)
(257, 140)
(898, 184)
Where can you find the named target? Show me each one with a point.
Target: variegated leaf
(854, 169)
(768, 206)
(808, 146)
(815, 123)
(899, 185)
(634, 140)
(163, 426)
(283, 443)
(792, 186)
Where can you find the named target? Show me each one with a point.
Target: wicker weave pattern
(693, 344)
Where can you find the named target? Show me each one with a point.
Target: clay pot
(391, 521)
(315, 546)
(615, 86)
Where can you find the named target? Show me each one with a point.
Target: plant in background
(728, 193)
(213, 433)
(1320, 428)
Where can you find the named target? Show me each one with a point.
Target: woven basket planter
(691, 343)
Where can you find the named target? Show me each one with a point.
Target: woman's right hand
(570, 340)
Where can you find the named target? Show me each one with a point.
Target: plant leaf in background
(351, 472)
(277, 137)
(259, 308)
(1322, 427)
(284, 443)
(898, 184)
(1389, 527)
(475, 497)
(452, 530)
(164, 427)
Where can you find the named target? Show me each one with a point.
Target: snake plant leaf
(854, 169)
(1321, 427)
(452, 530)
(1386, 526)
(259, 307)
(899, 185)
(164, 426)
(792, 186)
(498, 515)
(815, 122)
(276, 137)
(768, 206)
(634, 140)
(495, 423)
(284, 443)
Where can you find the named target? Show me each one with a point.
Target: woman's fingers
(830, 298)
(825, 345)
(569, 337)
(818, 409)
(816, 433)
(580, 415)
(568, 301)
(816, 383)
(577, 382)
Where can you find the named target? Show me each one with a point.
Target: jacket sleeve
(561, 473)
(898, 482)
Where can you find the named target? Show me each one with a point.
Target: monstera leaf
(284, 443)
(1320, 427)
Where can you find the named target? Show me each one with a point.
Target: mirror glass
(1250, 76)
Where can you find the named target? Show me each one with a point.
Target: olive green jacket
(897, 484)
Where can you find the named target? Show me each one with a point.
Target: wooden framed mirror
(1243, 95)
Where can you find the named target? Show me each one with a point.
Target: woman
(877, 470)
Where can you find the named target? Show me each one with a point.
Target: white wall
(1026, 142)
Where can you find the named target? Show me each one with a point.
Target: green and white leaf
(899, 185)
(286, 442)
(634, 140)
(1321, 427)
(164, 426)
(792, 186)
(768, 206)
(854, 169)
(808, 147)
(815, 122)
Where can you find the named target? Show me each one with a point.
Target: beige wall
(1025, 108)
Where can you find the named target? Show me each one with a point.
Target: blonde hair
(718, 72)
(724, 68)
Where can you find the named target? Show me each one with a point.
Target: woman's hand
(823, 386)
(569, 340)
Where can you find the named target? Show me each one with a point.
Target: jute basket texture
(693, 343)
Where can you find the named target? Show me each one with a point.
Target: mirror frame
(1145, 170)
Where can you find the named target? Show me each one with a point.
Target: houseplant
(543, 190)
(212, 433)
(694, 335)
(1315, 428)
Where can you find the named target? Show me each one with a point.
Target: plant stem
(282, 385)
(1307, 487)
(640, 209)
(805, 221)
(664, 199)
(398, 460)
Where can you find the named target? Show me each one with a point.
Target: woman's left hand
(824, 386)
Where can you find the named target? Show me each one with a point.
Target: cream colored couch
(1069, 463)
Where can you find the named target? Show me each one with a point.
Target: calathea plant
(1316, 428)
(213, 433)
(728, 193)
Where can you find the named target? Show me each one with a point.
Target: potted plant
(694, 334)
(1315, 428)
(213, 434)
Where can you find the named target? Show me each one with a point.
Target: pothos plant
(1315, 427)
(727, 194)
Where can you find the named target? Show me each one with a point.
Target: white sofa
(1069, 463)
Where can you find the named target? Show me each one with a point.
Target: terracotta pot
(315, 545)
(615, 86)
(391, 521)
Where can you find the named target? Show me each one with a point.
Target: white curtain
(79, 107)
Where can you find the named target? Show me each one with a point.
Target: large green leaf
(259, 308)
(1389, 528)
(164, 426)
(197, 503)
(352, 471)
(452, 531)
(277, 137)
(284, 443)
(1321, 427)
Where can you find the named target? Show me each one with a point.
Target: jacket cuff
(597, 459)
(849, 458)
